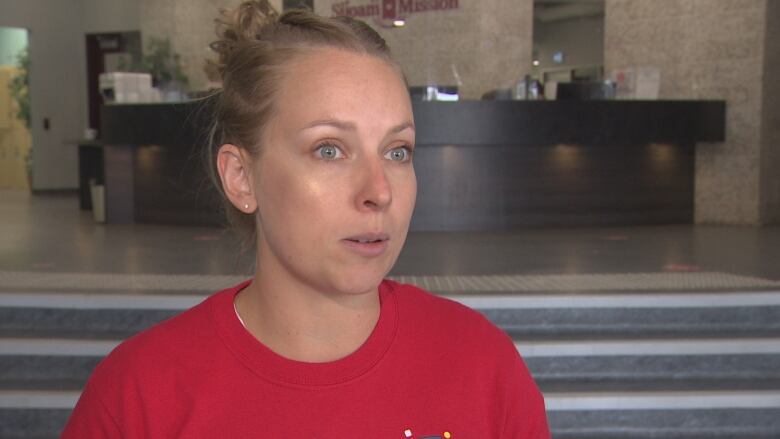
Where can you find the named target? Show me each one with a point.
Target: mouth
(368, 244)
(369, 238)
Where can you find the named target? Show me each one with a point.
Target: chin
(356, 282)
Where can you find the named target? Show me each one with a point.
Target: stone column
(712, 49)
(770, 118)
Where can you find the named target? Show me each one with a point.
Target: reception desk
(481, 165)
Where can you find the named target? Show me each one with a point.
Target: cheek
(405, 192)
(290, 198)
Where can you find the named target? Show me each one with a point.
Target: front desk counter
(481, 165)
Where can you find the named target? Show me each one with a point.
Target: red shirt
(431, 368)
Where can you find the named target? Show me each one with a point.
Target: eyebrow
(351, 126)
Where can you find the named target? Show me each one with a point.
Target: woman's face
(334, 183)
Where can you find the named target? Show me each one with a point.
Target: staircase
(672, 356)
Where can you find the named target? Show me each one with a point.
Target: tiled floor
(48, 233)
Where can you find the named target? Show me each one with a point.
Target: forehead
(337, 83)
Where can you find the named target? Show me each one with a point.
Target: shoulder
(146, 373)
(438, 309)
(172, 333)
(450, 322)
(463, 345)
(184, 339)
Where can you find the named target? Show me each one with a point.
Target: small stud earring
(246, 206)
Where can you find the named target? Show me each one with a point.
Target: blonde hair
(255, 44)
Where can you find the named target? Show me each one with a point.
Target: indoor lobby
(598, 178)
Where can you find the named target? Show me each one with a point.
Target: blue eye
(401, 154)
(329, 152)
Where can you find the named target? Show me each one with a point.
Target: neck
(300, 323)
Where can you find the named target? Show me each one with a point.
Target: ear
(233, 165)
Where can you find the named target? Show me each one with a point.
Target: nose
(374, 191)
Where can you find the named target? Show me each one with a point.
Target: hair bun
(240, 25)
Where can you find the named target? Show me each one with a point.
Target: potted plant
(163, 63)
(165, 66)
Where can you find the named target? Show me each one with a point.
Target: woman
(316, 138)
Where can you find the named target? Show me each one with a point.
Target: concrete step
(521, 324)
(684, 372)
(45, 372)
(524, 317)
(663, 415)
(637, 323)
(569, 374)
(648, 415)
(666, 424)
(30, 423)
(612, 364)
(76, 323)
(736, 364)
(645, 282)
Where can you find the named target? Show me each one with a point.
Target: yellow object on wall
(6, 108)
(15, 139)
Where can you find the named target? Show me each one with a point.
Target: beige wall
(189, 24)
(472, 46)
(57, 53)
(109, 15)
(483, 49)
(706, 49)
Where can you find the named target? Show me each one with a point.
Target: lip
(376, 244)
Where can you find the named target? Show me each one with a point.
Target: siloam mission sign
(391, 9)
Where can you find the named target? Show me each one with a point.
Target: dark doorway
(108, 52)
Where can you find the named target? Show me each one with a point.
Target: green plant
(20, 87)
(163, 62)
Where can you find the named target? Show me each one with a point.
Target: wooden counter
(481, 165)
